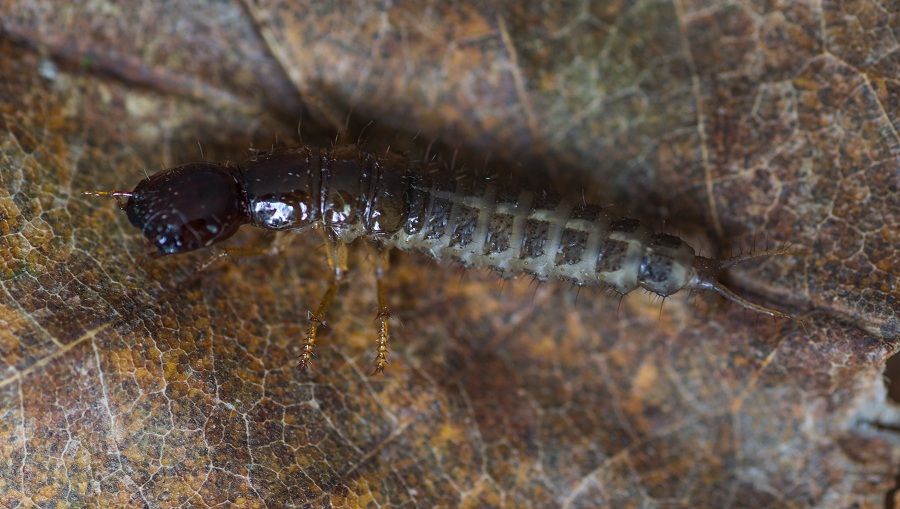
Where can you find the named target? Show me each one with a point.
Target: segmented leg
(337, 260)
(381, 344)
(277, 245)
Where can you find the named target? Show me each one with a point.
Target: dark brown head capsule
(188, 207)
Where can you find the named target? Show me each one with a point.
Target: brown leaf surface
(137, 383)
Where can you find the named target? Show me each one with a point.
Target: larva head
(188, 207)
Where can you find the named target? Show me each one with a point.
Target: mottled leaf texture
(131, 382)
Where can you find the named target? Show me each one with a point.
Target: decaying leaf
(144, 383)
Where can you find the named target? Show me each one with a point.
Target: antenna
(118, 195)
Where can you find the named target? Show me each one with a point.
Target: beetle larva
(395, 202)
